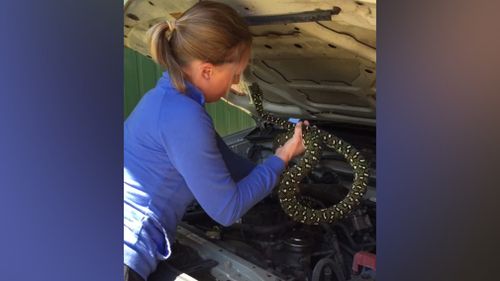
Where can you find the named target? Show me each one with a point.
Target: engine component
(364, 259)
(361, 220)
(299, 247)
(325, 268)
(228, 265)
(314, 139)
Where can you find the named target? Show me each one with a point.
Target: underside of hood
(313, 60)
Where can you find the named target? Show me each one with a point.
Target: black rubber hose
(320, 265)
(341, 227)
(258, 229)
(345, 231)
(348, 249)
(194, 215)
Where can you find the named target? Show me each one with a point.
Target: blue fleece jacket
(172, 156)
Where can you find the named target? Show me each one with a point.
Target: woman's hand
(294, 146)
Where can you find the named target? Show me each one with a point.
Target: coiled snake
(314, 140)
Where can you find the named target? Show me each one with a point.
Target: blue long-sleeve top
(172, 156)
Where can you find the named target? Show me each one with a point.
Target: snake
(315, 140)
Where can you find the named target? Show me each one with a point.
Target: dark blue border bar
(438, 136)
(61, 143)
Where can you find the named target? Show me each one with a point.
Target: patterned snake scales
(314, 140)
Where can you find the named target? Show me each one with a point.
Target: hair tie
(171, 25)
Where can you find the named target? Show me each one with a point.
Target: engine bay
(267, 239)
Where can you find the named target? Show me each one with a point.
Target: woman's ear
(207, 70)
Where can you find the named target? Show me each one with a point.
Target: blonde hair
(209, 31)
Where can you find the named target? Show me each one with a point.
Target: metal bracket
(311, 16)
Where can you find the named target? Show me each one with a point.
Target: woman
(172, 154)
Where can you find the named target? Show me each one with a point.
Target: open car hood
(313, 60)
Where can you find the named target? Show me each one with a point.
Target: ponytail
(208, 31)
(162, 53)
